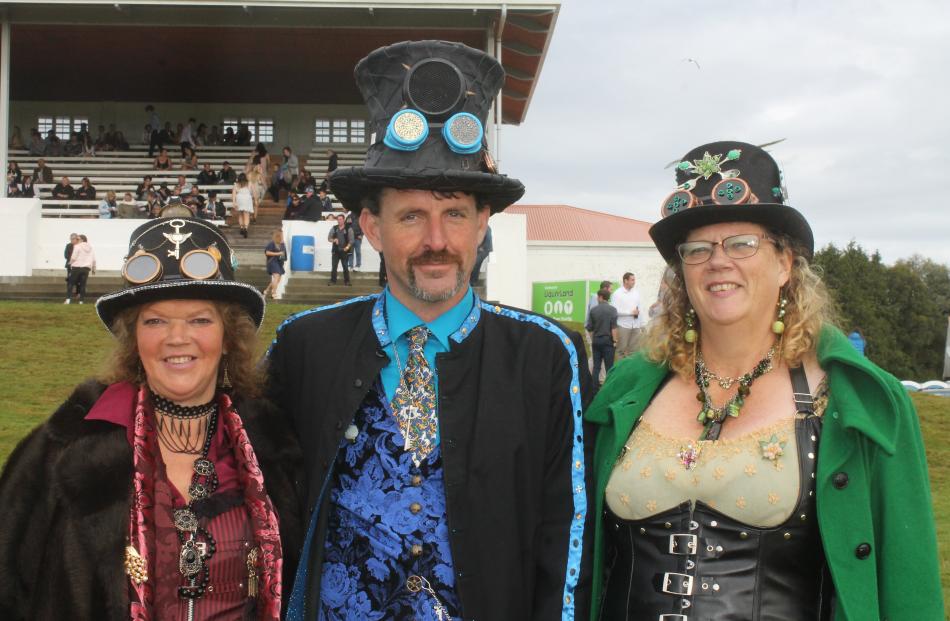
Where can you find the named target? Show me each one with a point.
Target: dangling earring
(778, 326)
(225, 380)
(690, 335)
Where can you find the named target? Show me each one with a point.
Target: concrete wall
(293, 123)
(555, 261)
(18, 234)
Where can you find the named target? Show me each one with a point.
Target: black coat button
(863, 551)
(358, 383)
(840, 480)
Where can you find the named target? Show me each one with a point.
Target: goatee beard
(431, 258)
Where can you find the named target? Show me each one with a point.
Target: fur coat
(65, 493)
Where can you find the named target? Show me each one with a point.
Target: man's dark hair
(370, 200)
(606, 284)
(604, 294)
(627, 275)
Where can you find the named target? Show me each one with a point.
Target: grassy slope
(46, 349)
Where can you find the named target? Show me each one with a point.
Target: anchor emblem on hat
(177, 238)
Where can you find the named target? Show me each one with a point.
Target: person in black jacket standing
(443, 442)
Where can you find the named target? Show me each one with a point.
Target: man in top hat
(443, 436)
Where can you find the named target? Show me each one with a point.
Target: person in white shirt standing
(626, 300)
(81, 262)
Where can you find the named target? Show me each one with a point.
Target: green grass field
(46, 349)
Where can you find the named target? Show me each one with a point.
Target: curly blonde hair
(809, 308)
(240, 341)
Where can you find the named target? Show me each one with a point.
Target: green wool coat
(872, 434)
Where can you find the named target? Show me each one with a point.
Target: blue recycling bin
(301, 253)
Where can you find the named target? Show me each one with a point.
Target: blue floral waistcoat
(387, 522)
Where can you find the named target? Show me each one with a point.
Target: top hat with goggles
(175, 259)
(428, 102)
(727, 181)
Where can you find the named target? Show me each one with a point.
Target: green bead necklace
(712, 417)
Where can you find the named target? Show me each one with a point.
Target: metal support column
(4, 99)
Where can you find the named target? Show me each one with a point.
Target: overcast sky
(859, 89)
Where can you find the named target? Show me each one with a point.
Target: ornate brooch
(689, 455)
(772, 449)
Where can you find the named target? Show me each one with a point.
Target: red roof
(566, 223)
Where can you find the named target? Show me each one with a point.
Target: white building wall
(557, 261)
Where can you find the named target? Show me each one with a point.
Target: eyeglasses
(735, 247)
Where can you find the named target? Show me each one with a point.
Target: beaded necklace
(181, 428)
(712, 417)
(197, 544)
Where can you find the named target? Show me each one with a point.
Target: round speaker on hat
(435, 87)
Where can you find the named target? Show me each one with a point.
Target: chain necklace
(712, 417)
(182, 428)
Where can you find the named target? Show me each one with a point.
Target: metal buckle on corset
(677, 543)
(673, 579)
(673, 618)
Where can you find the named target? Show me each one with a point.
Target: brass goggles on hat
(735, 247)
(731, 191)
(198, 264)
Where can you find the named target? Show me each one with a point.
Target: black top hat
(727, 181)
(175, 259)
(428, 101)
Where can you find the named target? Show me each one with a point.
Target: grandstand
(282, 68)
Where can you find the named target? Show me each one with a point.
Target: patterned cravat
(414, 401)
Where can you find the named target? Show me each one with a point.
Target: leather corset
(693, 563)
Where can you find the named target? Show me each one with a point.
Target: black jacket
(507, 431)
(65, 494)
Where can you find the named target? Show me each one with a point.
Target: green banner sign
(562, 301)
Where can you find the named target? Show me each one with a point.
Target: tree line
(900, 309)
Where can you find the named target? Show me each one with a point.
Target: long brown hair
(240, 341)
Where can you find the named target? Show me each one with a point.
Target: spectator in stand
(153, 205)
(187, 137)
(162, 162)
(341, 240)
(153, 126)
(179, 130)
(63, 190)
(183, 187)
(26, 187)
(144, 188)
(189, 159)
(16, 139)
(333, 162)
(146, 136)
(121, 144)
(229, 136)
(108, 206)
(216, 206)
(243, 137)
(111, 136)
(311, 209)
(37, 146)
(103, 142)
(195, 200)
(214, 137)
(164, 192)
(128, 209)
(286, 174)
(201, 135)
(54, 147)
(276, 255)
(14, 174)
(86, 191)
(243, 198)
(72, 148)
(227, 176)
(207, 176)
(42, 173)
(168, 134)
(294, 207)
(81, 263)
(302, 182)
(325, 203)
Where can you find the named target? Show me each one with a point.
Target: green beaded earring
(690, 335)
(778, 326)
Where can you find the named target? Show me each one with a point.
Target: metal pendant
(185, 520)
(204, 467)
(189, 560)
(198, 491)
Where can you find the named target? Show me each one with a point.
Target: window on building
(78, 122)
(340, 133)
(44, 124)
(321, 131)
(357, 131)
(265, 130)
(62, 126)
(262, 130)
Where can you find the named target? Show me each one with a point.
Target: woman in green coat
(749, 464)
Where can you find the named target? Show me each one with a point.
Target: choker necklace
(182, 428)
(712, 417)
